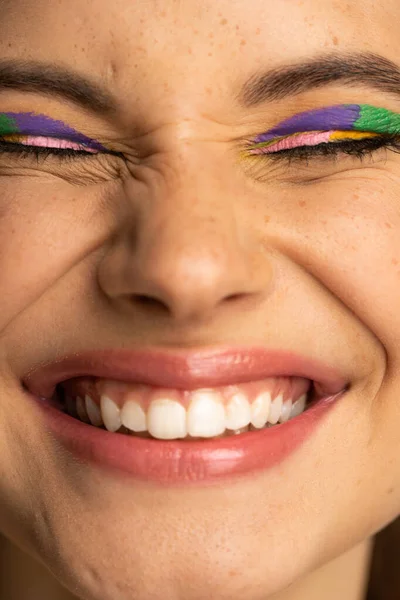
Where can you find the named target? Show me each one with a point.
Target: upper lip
(183, 369)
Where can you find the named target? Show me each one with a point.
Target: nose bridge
(194, 205)
(192, 249)
(190, 238)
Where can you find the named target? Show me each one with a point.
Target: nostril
(149, 301)
(234, 297)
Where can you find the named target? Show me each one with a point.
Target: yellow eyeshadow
(352, 135)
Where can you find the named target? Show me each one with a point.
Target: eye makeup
(327, 125)
(42, 131)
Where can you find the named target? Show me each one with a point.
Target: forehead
(143, 29)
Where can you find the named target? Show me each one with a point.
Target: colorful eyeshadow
(31, 124)
(47, 142)
(309, 139)
(333, 120)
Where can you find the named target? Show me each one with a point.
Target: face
(178, 225)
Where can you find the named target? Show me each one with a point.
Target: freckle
(389, 226)
(196, 31)
(243, 43)
(335, 40)
(210, 35)
(163, 13)
(390, 491)
(395, 261)
(209, 91)
(237, 27)
(223, 22)
(267, 219)
(210, 54)
(302, 203)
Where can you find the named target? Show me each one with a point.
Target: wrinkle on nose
(190, 250)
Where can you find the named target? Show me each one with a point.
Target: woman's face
(181, 240)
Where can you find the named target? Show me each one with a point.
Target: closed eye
(327, 144)
(23, 146)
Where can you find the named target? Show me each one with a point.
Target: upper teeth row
(206, 415)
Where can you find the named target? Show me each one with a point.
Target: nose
(189, 250)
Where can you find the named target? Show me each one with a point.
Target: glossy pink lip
(183, 461)
(181, 369)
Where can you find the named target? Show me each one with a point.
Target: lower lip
(177, 462)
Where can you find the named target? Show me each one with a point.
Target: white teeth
(81, 410)
(133, 416)
(237, 412)
(110, 413)
(206, 414)
(285, 412)
(298, 406)
(93, 412)
(166, 419)
(275, 410)
(260, 410)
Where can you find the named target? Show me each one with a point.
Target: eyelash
(357, 148)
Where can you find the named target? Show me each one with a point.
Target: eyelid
(47, 142)
(308, 138)
(348, 117)
(39, 125)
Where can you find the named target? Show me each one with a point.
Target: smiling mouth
(181, 394)
(171, 414)
(184, 417)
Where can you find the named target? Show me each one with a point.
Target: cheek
(46, 228)
(345, 233)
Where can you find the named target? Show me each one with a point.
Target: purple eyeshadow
(34, 124)
(330, 118)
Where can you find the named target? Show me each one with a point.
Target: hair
(384, 577)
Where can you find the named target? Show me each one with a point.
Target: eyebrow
(367, 69)
(354, 69)
(54, 80)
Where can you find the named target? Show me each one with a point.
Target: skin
(188, 226)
